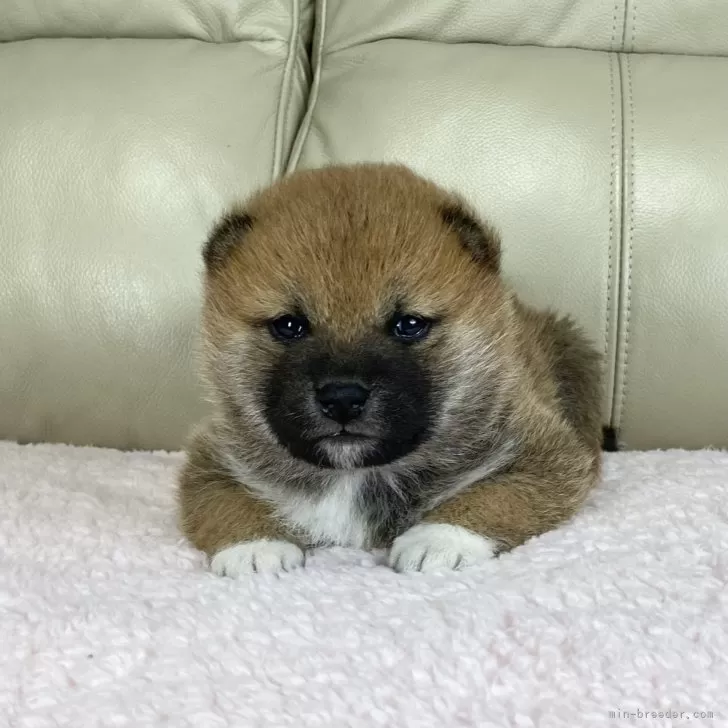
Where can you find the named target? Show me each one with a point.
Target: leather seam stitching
(615, 15)
(632, 27)
(317, 64)
(614, 170)
(611, 312)
(285, 94)
(628, 242)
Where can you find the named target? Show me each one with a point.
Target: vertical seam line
(626, 313)
(317, 64)
(285, 94)
(614, 170)
(625, 26)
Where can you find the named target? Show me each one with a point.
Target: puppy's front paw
(431, 546)
(256, 556)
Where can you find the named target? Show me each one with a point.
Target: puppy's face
(348, 314)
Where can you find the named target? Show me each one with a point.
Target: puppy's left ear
(479, 239)
(227, 233)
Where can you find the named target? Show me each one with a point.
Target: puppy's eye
(289, 327)
(410, 328)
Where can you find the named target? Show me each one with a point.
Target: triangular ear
(479, 239)
(226, 234)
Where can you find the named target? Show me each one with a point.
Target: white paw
(256, 556)
(432, 546)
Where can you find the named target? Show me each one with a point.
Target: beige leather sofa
(594, 135)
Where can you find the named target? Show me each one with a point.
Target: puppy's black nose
(342, 401)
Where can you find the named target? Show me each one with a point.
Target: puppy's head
(349, 312)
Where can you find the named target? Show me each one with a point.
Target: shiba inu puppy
(376, 384)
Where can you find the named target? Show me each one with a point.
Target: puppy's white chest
(334, 518)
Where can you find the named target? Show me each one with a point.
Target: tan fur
(559, 465)
(541, 493)
(402, 242)
(347, 243)
(216, 511)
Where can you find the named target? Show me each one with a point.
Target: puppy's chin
(346, 453)
(349, 452)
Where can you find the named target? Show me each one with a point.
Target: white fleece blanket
(107, 618)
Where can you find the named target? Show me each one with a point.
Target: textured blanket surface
(107, 618)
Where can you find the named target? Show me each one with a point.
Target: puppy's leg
(220, 517)
(493, 516)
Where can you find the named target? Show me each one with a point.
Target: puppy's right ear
(226, 234)
(479, 239)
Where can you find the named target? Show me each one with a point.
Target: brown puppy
(376, 384)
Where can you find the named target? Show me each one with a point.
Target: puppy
(376, 384)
